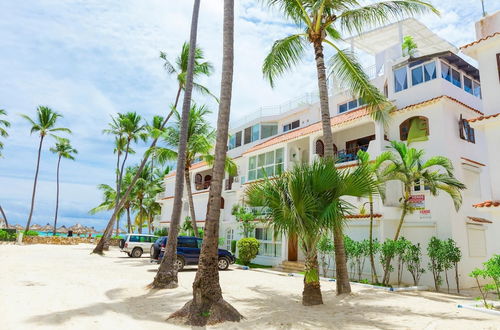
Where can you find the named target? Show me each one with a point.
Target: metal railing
(347, 155)
(304, 100)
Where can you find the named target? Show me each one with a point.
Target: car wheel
(152, 252)
(179, 264)
(122, 243)
(223, 263)
(137, 252)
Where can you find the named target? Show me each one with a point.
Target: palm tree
(373, 167)
(128, 128)
(108, 203)
(63, 149)
(407, 165)
(44, 124)
(322, 22)
(308, 201)
(155, 133)
(167, 273)
(3, 133)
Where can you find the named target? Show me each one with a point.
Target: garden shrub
(387, 253)
(31, 233)
(413, 259)
(161, 232)
(325, 249)
(437, 256)
(233, 246)
(248, 248)
(402, 245)
(8, 235)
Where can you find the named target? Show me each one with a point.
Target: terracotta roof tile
(363, 216)
(344, 118)
(487, 204)
(480, 40)
(480, 220)
(483, 118)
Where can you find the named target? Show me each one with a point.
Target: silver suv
(137, 244)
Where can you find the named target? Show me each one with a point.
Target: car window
(134, 238)
(187, 243)
(144, 239)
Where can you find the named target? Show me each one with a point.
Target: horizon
(90, 60)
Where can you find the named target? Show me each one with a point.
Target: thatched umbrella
(18, 227)
(62, 230)
(36, 227)
(77, 229)
(47, 228)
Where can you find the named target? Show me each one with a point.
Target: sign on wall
(417, 202)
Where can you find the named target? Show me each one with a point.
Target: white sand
(63, 287)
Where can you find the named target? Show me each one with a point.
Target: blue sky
(91, 59)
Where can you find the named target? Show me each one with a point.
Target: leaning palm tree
(208, 306)
(63, 149)
(322, 22)
(307, 201)
(44, 124)
(4, 124)
(407, 165)
(108, 204)
(183, 81)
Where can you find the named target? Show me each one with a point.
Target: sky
(89, 59)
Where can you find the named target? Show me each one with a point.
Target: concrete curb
(479, 309)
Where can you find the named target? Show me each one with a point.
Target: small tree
(437, 261)
(248, 248)
(363, 251)
(413, 260)
(350, 254)
(484, 291)
(409, 46)
(246, 219)
(387, 253)
(402, 245)
(325, 249)
(451, 256)
(492, 270)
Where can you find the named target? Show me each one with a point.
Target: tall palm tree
(182, 78)
(44, 124)
(108, 203)
(4, 124)
(167, 273)
(323, 22)
(208, 305)
(63, 149)
(407, 165)
(201, 138)
(128, 128)
(307, 201)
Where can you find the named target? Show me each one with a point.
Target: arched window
(335, 150)
(222, 202)
(320, 148)
(198, 181)
(416, 127)
(206, 181)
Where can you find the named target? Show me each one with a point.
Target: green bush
(161, 232)
(247, 249)
(233, 246)
(8, 235)
(31, 233)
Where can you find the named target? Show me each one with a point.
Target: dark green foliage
(248, 248)
(325, 249)
(437, 256)
(413, 259)
(233, 246)
(388, 250)
(161, 232)
(31, 233)
(8, 235)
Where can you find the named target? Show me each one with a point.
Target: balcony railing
(347, 155)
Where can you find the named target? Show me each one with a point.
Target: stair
(290, 267)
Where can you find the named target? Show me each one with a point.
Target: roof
(487, 204)
(480, 118)
(379, 39)
(193, 167)
(344, 118)
(479, 220)
(480, 40)
(363, 216)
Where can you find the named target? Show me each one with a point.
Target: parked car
(137, 244)
(188, 252)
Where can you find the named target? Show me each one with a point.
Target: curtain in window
(400, 79)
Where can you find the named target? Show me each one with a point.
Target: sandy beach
(64, 287)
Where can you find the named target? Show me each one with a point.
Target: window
(417, 75)
(445, 72)
(292, 125)
(238, 139)
(351, 105)
(343, 108)
(248, 135)
(476, 89)
(229, 238)
(320, 148)
(268, 130)
(400, 79)
(423, 73)
(267, 164)
(417, 186)
(468, 85)
(466, 131)
(134, 238)
(455, 78)
(252, 133)
(232, 142)
(270, 246)
(222, 202)
(430, 71)
(187, 243)
(417, 128)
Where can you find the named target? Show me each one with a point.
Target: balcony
(202, 180)
(347, 155)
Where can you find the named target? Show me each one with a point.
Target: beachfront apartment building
(437, 91)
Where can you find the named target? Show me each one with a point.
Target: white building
(437, 88)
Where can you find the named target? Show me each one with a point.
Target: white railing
(304, 100)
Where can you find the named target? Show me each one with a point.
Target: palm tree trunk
(34, 185)
(167, 274)
(372, 257)
(208, 306)
(312, 288)
(343, 285)
(117, 226)
(4, 217)
(57, 195)
(191, 203)
(129, 222)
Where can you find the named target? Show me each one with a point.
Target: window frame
(261, 163)
(408, 120)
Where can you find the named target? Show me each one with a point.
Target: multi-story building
(437, 90)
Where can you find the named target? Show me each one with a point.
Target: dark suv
(188, 252)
